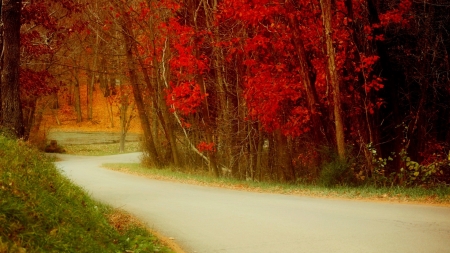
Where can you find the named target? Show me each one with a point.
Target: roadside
(43, 211)
(211, 219)
(437, 196)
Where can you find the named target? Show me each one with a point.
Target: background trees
(11, 108)
(267, 90)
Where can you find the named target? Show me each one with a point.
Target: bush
(336, 171)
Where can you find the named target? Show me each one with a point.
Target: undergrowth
(42, 211)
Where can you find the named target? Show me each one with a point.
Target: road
(209, 220)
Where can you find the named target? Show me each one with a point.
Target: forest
(338, 91)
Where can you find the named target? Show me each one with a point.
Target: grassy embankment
(42, 211)
(439, 196)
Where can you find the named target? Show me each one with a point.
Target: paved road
(210, 220)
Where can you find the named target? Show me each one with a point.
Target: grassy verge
(42, 211)
(439, 196)
(101, 149)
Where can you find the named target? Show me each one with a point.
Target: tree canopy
(254, 89)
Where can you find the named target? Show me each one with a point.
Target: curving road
(210, 220)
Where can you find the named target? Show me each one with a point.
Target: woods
(343, 91)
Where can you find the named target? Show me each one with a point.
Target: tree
(130, 52)
(11, 108)
(333, 77)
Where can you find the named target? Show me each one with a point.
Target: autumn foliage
(252, 86)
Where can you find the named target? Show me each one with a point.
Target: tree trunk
(226, 122)
(1, 60)
(145, 123)
(333, 77)
(284, 161)
(28, 117)
(91, 82)
(76, 94)
(124, 104)
(161, 110)
(11, 107)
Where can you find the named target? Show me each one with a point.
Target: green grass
(393, 194)
(42, 211)
(101, 149)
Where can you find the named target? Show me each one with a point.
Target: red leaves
(206, 147)
(185, 98)
(34, 84)
(398, 15)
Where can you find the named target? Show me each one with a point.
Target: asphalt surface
(209, 220)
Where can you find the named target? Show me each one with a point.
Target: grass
(439, 196)
(101, 149)
(42, 211)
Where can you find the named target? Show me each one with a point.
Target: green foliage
(42, 211)
(379, 166)
(411, 174)
(419, 174)
(336, 171)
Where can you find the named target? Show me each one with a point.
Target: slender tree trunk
(124, 104)
(161, 111)
(259, 163)
(91, 82)
(145, 123)
(11, 107)
(28, 117)
(333, 77)
(76, 94)
(226, 104)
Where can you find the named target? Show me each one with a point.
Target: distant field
(89, 137)
(101, 149)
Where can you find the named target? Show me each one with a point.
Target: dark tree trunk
(77, 99)
(149, 143)
(11, 109)
(1, 60)
(334, 77)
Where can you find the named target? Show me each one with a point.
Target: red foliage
(274, 90)
(35, 84)
(185, 98)
(206, 147)
(398, 15)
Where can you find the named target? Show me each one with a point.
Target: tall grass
(42, 211)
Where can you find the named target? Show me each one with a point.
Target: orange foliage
(101, 120)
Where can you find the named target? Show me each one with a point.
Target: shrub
(335, 171)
